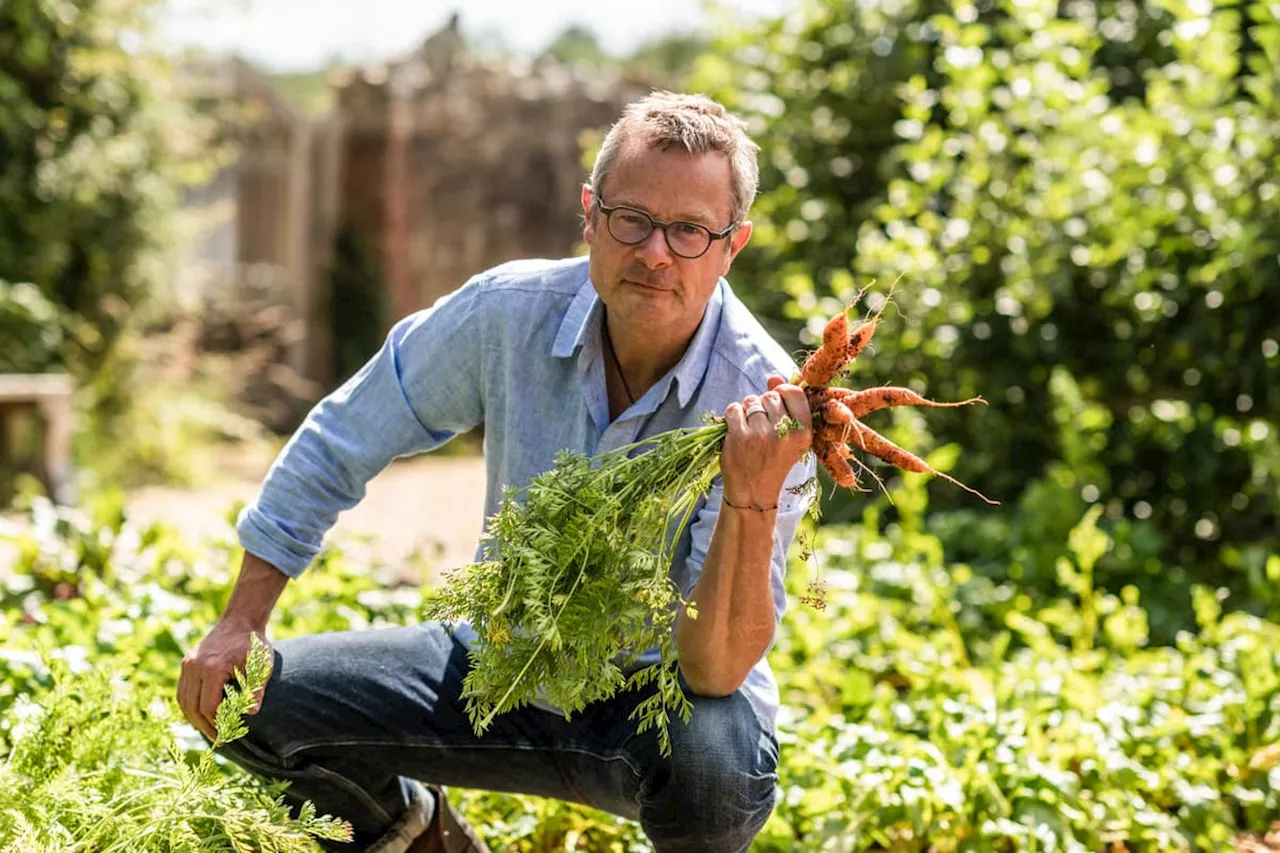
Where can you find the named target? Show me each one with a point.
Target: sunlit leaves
(576, 587)
(1062, 728)
(1091, 188)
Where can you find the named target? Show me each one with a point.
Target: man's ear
(588, 200)
(737, 241)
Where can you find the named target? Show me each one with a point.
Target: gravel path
(431, 505)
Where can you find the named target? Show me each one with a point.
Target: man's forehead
(702, 192)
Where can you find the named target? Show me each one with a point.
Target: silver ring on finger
(754, 409)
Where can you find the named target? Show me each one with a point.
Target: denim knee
(719, 785)
(267, 729)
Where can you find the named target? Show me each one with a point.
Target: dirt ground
(1259, 843)
(421, 515)
(431, 506)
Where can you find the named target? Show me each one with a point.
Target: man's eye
(632, 218)
(688, 229)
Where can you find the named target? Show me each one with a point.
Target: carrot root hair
(837, 466)
(877, 445)
(871, 400)
(953, 481)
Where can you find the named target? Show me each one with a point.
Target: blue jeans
(350, 718)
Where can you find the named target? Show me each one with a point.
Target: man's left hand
(756, 459)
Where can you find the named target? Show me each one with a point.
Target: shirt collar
(582, 321)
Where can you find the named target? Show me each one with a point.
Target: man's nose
(653, 251)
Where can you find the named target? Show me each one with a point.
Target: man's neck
(644, 358)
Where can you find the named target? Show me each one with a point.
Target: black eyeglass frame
(655, 223)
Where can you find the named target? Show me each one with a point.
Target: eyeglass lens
(686, 239)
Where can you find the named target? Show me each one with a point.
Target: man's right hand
(207, 670)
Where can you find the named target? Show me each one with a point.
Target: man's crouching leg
(350, 719)
(717, 789)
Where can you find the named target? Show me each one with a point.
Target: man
(642, 336)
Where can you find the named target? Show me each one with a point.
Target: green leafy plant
(576, 583)
(928, 707)
(93, 767)
(1108, 292)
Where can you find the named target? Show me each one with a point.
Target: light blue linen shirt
(519, 349)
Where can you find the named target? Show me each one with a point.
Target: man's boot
(448, 832)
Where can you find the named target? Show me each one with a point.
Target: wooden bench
(50, 396)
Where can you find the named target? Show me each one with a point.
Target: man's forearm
(735, 605)
(255, 594)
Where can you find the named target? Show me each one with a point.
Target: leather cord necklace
(617, 365)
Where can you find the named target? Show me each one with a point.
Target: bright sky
(304, 34)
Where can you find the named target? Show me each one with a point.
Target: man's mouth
(648, 285)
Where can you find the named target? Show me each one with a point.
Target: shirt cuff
(273, 543)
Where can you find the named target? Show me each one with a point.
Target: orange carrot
(835, 333)
(861, 337)
(877, 445)
(831, 433)
(825, 362)
(818, 397)
(835, 412)
(863, 402)
(837, 466)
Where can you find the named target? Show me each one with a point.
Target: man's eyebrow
(701, 218)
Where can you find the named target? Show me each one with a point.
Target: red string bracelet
(752, 508)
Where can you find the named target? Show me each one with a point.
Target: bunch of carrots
(837, 412)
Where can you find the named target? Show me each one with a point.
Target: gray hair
(695, 123)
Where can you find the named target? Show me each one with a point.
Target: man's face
(647, 285)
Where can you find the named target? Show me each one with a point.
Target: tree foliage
(1081, 201)
(577, 45)
(92, 141)
(97, 138)
(31, 333)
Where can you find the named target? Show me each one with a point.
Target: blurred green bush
(95, 144)
(31, 330)
(1080, 201)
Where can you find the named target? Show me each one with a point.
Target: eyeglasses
(630, 226)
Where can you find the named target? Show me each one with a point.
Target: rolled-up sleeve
(422, 388)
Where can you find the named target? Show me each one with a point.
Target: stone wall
(452, 165)
(428, 169)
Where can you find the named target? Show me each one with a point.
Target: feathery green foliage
(576, 586)
(93, 769)
(927, 708)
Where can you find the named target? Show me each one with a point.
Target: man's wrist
(254, 595)
(243, 623)
(753, 495)
(748, 505)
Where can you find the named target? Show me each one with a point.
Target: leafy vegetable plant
(92, 769)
